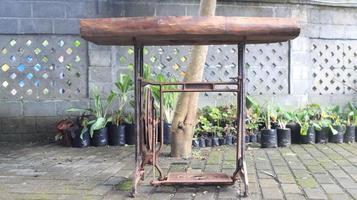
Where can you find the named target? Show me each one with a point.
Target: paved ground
(299, 172)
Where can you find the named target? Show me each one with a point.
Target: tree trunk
(184, 121)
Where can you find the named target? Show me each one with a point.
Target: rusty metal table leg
(241, 169)
(138, 71)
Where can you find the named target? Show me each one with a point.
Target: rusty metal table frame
(184, 30)
(149, 156)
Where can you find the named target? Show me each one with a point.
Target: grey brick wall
(33, 120)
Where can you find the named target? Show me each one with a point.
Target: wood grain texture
(184, 30)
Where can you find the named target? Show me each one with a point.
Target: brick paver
(322, 171)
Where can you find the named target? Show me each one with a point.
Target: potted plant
(254, 119)
(323, 132)
(284, 133)
(117, 127)
(215, 116)
(81, 137)
(217, 134)
(98, 126)
(204, 129)
(320, 121)
(351, 123)
(251, 130)
(130, 135)
(169, 104)
(195, 140)
(338, 128)
(80, 131)
(294, 127)
(268, 135)
(230, 124)
(230, 133)
(307, 130)
(65, 128)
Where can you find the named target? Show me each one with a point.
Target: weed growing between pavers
(124, 185)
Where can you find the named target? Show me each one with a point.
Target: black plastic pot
(100, 137)
(337, 138)
(228, 139)
(269, 138)
(310, 136)
(116, 135)
(208, 141)
(295, 132)
(259, 137)
(234, 140)
(322, 135)
(81, 142)
(221, 141)
(202, 142)
(284, 137)
(195, 143)
(247, 138)
(130, 135)
(215, 141)
(167, 133)
(253, 137)
(350, 134)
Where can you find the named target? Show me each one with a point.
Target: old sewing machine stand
(185, 30)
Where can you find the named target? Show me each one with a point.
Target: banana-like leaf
(352, 107)
(334, 131)
(79, 110)
(250, 102)
(304, 128)
(317, 126)
(84, 129)
(97, 125)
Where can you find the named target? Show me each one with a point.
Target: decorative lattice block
(42, 67)
(266, 64)
(334, 65)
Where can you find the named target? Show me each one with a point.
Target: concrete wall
(24, 120)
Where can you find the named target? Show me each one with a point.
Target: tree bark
(184, 121)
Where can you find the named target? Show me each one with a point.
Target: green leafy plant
(83, 119)
(336, 116)
(100, 111)
(269, 115)
(169, 99)
(227, 115)
(250, 102)
(351, 114)
(124, 86)
(309, 116)
(302, 117)
(251, 127)
(331, 117)
(284, 117)
(204, 126)
(254, 115)
(147, 73)
(230, 130)
(314, 111)
(215, 116)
